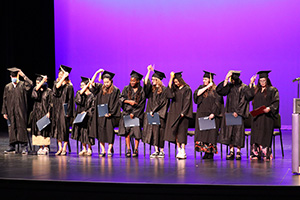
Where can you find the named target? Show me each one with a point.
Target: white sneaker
(161, 154)
(179, 153)
(82, 153)
(154, 155)
(46, 151)
(40, 151)
(182, 154)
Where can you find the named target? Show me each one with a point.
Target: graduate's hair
(109, 90)
(67, 80)
(210, 90)
(181, 81)
(138, 95)
(160, 86)
(258, 87)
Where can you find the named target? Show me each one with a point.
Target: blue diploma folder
(153, 120)
(102, 110)
(128, 122)
(79, 118)
(206, 124)
(231, 120)
(43, 123)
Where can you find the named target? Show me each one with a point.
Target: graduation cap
(159, 75)
(13, 71)
(40, 77)
(235, 74)
(136, 75)
(178, 74)
(264, 74)
(209, 75)
(107, 74)
(65, 68)
(85, 79)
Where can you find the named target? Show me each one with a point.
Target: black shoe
(128, 153)
(102, 154)
(205, 156)
(135, 153)
(210, 156)
(230, 156)
(238, 156)
(10, 150)
(25, 151)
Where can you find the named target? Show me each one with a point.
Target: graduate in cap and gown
(63, 108)
(84, 100)
(132, 100)
(103, 127)
(180, 112)
(14, 109)
(236, 103)
(263, 94)
(158, 102)
(209, 104)
(42, 106)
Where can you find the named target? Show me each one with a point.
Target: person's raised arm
(202, 90)
(172, 74)
(149, 68)
(60, 82)
(229, 74)
(41, 83)
(95, 75)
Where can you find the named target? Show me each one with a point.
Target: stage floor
(168, 170)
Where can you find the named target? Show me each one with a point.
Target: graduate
(180, 112)
(263, 94)
(103, 127)
(42, 106)
(236, 103)
(84, 100)
(157, 103)
(209, 104)
(63, 108)
(14, 109)
(132, 100)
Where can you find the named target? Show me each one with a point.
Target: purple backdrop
(190, 35)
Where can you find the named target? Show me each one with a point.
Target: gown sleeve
(223, 90)
(147, 89)
(274, 106)
(198, 99)
(162, 102)
(78, 99)
(249, 93)
(139, 109)
(187, 109)
(4, 104)
(243, 106)
(70, 101)
(123, 96)
(114, 108)
(35, 94)
(170, 92)
(28, 84)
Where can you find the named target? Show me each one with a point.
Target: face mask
(14, 80)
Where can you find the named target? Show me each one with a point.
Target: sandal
(128, 153)
(135, 153)
(63, 153)
(102, 154)
(58, 152)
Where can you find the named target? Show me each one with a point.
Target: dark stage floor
(168, 170)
